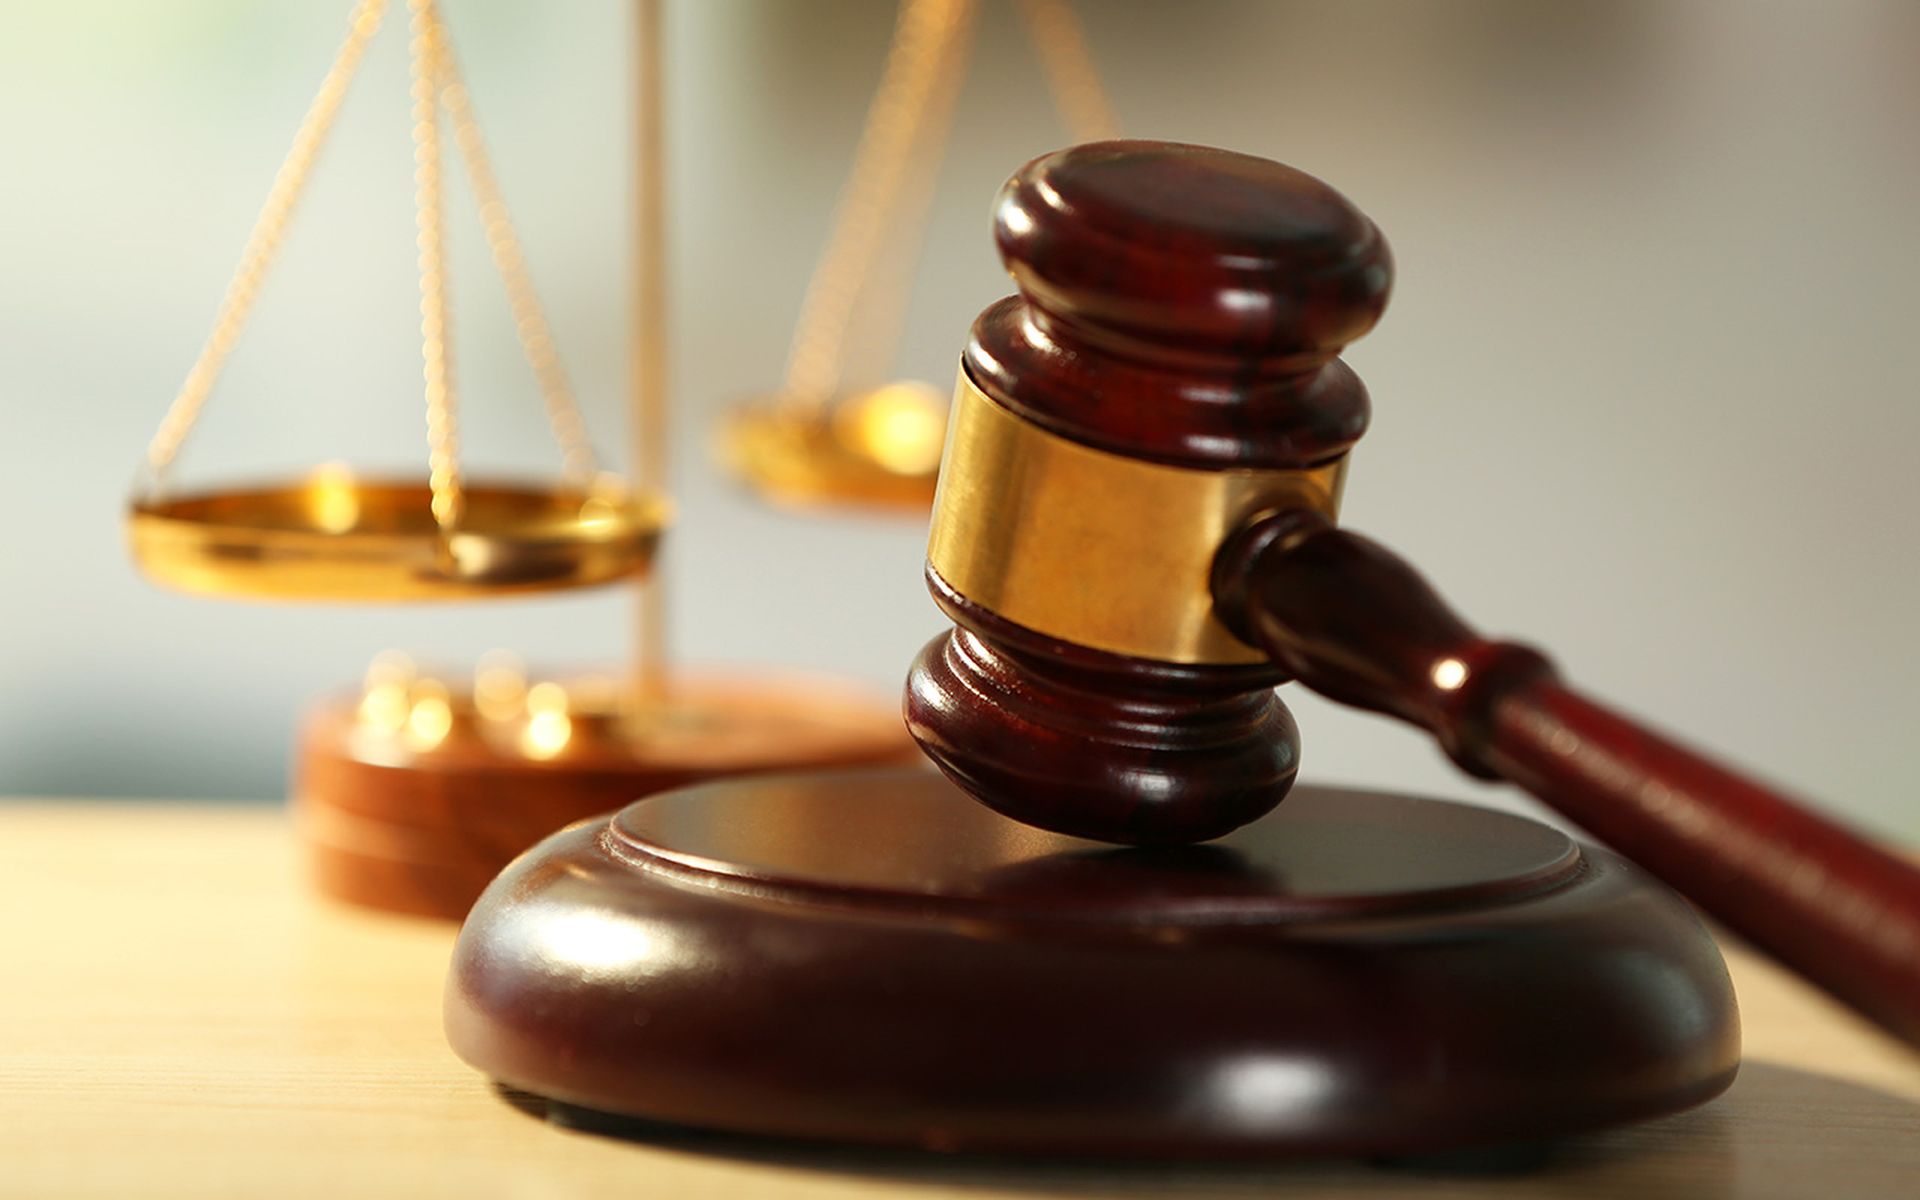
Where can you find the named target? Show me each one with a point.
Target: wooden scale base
(394, 821)
(872, 957)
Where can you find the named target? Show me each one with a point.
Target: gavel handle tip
(1355, 622)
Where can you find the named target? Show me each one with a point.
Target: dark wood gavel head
(1167, 372)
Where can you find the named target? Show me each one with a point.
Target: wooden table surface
(180, 1016)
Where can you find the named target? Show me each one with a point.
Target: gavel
(1134, 537)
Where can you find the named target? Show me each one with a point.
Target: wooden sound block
(393, 824)
(872, 957)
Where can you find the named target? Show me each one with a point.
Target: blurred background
(1646, 393)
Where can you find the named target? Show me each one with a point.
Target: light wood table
(180, 1016)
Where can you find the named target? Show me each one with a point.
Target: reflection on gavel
(1134, 537)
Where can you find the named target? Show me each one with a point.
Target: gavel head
(1166, 373)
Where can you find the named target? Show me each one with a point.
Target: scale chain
(436, 87)
(1079, 95)
(443, 433)
(523, 303)
(927, 33)
(918, 86)
(262, 244)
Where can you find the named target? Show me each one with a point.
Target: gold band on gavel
(1095, 548)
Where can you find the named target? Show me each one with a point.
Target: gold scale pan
(332, 536)
(411, 793)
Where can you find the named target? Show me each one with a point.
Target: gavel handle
(1355, 622)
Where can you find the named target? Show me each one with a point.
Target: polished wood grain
(1184, 305)
(183, 1018)
(870, 957)
(1353, 621)
(1091, 744)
